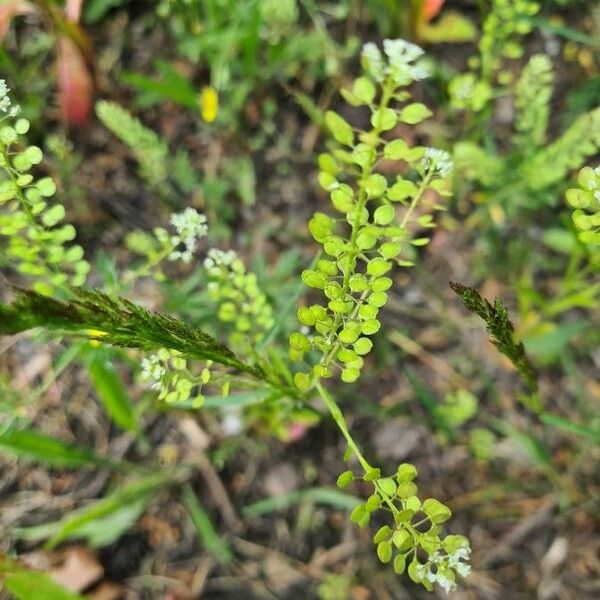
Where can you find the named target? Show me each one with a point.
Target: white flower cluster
(216, 259)
(439, 161)
(454, 561)
(403, 65)
(167, 371)
(440, 568)
(6, 105)
(153, 371)
(190, 225)
(372, 61)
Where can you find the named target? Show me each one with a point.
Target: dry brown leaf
(80, 568)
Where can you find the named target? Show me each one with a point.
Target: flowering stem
(338, 417)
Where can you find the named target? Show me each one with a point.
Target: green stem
(338, 417)
(354, 250)
(144, 269)
(362, 196)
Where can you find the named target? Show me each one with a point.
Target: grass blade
(51, 451)
(73, 525)
(318, 495)
(592, 433)
(35, 585)
(209, 537)
(111, 391)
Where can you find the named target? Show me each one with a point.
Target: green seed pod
(383, 533)
(384, 551)
(345, 479)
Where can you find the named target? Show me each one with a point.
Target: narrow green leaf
(75, 523)
(207, 534)
(95, 10)
(536, 449)
(51, 451)
(550, 346)
(590, 432)
(563, 30)
(35, 585)
(318, 495)
(98, 533)
(172, 87)
(242, 399)
(111, 391)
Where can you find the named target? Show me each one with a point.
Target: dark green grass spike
(115, 321)
(500, 330)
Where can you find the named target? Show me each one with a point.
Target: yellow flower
(209, 103)
(94, 334)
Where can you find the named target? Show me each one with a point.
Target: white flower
(421, 571)
(431, 577)
(403, 61)
(445, 583)
(401, 51)
(402, 56)
(190, 225)
(460, 554)
(372, 61)
(439, 161)
(454, 561)
(216, 259)
(153, 370)
(463, 569)
(5, 102)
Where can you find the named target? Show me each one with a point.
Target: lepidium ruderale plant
(369, 236)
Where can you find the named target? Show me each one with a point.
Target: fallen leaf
(106, 591)
(79, 569)
(281, 479)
